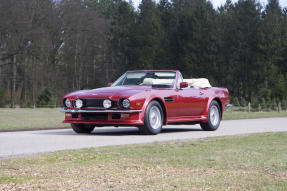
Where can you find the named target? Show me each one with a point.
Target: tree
(194, 39)
(240, 45)
(271, 45)
(147, 37)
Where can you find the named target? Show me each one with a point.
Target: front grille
(75, 115)
(97, 103)
(94, 116)
(116, 116)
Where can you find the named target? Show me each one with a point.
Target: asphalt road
(13, 144)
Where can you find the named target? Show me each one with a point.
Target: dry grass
(254, 162)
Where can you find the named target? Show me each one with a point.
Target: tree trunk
(13, 80)
(106, 63)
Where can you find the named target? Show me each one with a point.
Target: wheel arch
(162, 106)
(219, 103)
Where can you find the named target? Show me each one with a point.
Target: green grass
(251, 115)
(41, 118)
(17, 119)
(253, 162)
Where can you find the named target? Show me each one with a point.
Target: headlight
(126, 103)
(79, 103)
(68, 103)
(107, 103)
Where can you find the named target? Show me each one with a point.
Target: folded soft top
(198, 82)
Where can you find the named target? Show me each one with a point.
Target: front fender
(160, 100)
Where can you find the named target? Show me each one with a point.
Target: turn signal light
(125, 115)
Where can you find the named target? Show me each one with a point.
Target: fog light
(68, 114)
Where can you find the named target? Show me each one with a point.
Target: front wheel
(214, 117)
(82, 128)
(153, 119)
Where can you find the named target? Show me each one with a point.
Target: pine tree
(271, 46)
(147, 36)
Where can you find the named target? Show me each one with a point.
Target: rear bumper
(111, 117)
(228, 106)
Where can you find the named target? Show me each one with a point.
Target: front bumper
(111, 117)
(98, 111)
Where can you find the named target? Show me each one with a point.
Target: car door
(192, 101)
(171, 99)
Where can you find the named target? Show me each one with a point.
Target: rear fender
(206, 110)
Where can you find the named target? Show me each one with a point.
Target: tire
(214, 117)
(82, 128)
(153, 119)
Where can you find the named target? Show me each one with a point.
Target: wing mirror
(110, 84)
(183, 85)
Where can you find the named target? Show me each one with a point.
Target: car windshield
(157, 79)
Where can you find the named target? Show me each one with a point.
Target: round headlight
(126, 103)
(107, 103)
(67, 103)
(79, 103)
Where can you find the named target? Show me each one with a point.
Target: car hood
(110, 92)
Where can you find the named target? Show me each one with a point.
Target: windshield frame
(124, 75)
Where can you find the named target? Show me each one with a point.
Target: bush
(263, 103)
(44, 98)
(279, 88)
(264, 93)
(2, 100)
(274, 105)
(235, 102)
(254, 103)
(284, 105)
(243, 102)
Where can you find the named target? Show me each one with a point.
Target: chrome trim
(228, 106)
(98, 111)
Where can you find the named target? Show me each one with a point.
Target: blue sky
(217, 3)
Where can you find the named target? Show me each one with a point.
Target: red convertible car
(147, 99)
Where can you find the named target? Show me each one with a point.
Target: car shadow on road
(135, 131)
(117, 131)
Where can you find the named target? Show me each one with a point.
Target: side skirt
(187, 119)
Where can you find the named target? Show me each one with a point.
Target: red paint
(183, 85)
(184, 105)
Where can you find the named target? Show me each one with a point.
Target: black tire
(210, 125)
(148, 128)
(82, 128)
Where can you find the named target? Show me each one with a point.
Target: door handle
(201, 93)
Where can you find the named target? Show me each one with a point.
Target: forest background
(49, 48)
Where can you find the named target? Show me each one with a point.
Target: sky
(217, 3)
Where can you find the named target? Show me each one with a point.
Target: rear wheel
(214, 117)
(153, 119)
(82, 128)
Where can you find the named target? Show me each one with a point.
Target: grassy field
(17, 119)
(251, 115)
(41, 118)
(253, 162)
